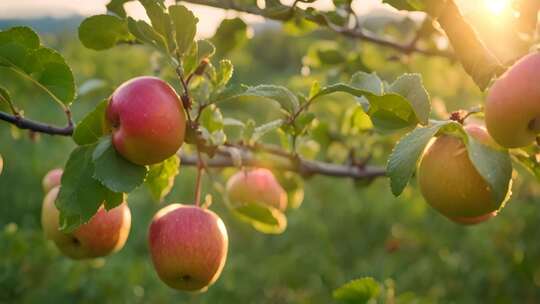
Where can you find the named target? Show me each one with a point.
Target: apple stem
(198, 181)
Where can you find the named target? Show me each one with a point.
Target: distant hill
(46, 24)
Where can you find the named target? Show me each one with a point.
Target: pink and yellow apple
(104, 234)
(513, 104)
(147, 120)
(188, 246)
(451, 184)
(256, 186)
(51, 179)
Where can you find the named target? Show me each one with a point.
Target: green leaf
(205, 49)
(185, 25)
(261, 130)
(92, 127)
(406, 154)
(368, 81)
(287, 100)
(263, 218)
(5, 96)
(115, 172)
(388, 110)
(81, 195)
(410, 86)
(302, 122)
(117, 7)
(160, 179)
(331, 56)
(231, 33)
(228, 92)
(102, 32)
(16, 45)
(216, 138)
(293, 184)
(224, 73)
(358, 291)
(212, 119)
(495, 166)
(249, 130)
(146, 34)
(231, 122)
(314, 90)
(529, 162)
(161, 21)
(190, 61)
(20, 51)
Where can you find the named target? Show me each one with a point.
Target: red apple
(51, 179)
(104, 234)
(188, 245)
(147, 120)
(513, 104)
(256, 186)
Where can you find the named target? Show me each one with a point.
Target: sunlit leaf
(114, 171)
(102, 32)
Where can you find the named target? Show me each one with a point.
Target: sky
(209, 17)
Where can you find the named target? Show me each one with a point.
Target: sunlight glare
(496, 7)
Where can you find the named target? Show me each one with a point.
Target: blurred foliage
(342, 231)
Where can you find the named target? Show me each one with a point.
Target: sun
(496, 7)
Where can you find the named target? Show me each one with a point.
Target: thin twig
(27, 124)
(355, 32)
(198, 181)
(12, 107)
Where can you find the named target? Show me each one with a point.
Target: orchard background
(346, 227)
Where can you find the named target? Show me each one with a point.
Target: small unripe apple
(451, 184)
(189, 246)
(513, 104)
(51, 179)
(104, 234)
(256, 186)
(147, 120)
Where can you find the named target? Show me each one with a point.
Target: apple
(51, 179)
(451, 184)
(147, 120)
(188, 245)
(293, 186)
(474, 220)
(256, 186)
(104, 234)
(513, 104)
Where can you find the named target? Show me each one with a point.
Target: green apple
(188, 245)
(104, 234)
